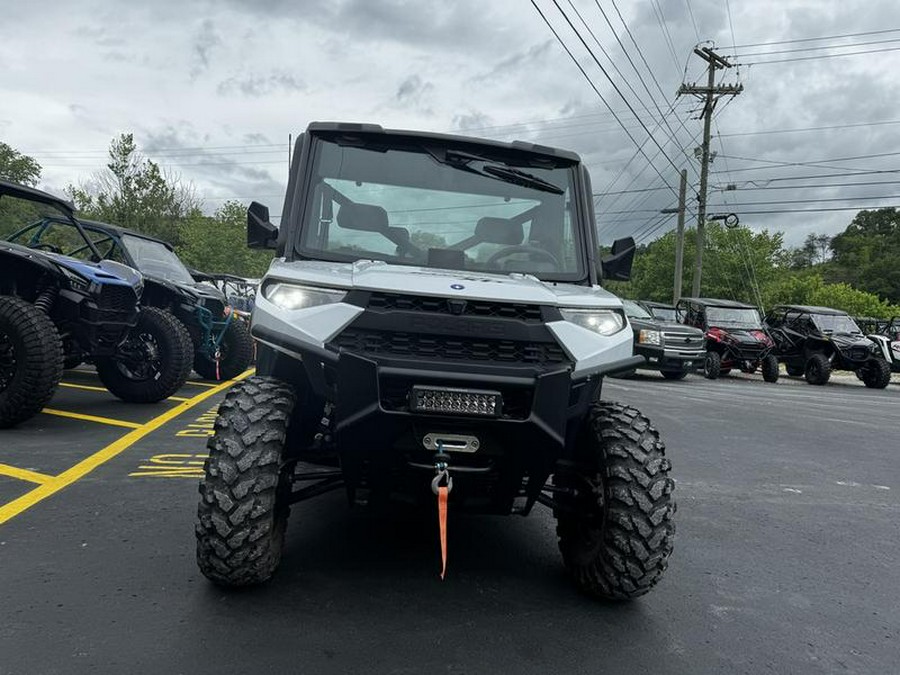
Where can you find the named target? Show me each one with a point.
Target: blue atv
(62, 303)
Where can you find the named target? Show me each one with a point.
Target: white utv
(435, 312)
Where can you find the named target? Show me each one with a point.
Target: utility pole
(710, 95)
(679, 239)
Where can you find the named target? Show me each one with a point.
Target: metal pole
(704, 175)
(679, 239)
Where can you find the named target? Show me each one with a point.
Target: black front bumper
(380, 440)
(97, 331)
(655, 358)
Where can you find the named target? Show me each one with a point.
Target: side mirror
(260, 232)
(617, 265)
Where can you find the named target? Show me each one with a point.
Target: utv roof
(119, 231)
(376, 130)
(811, 309)
(33, 194)
(716, 302)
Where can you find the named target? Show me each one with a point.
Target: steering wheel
(523, 248)
(53, 248)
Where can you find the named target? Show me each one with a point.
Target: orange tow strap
(442, 494)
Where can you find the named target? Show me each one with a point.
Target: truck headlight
(601, 321)
(650, 337)
(289, 296)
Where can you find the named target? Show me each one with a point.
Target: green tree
(737, 262)
(218, 244)
(18, 168)
(811, 289)
(866, 254)
(134, 192)
(814, 251)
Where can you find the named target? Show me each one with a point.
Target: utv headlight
(76, 281)
(649, 337)
(601, 321)
(289, 296)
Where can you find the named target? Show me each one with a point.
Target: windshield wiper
(490, 169)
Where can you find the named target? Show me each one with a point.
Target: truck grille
(684, 342)
(117, 298)
(442, 347)
(484, 308)
(858, 353)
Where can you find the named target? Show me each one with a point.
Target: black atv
(735, 337)
(669, 347)
(222, 344)
(813, 341)
(60, 303)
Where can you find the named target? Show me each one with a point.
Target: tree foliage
(18, 168)
(134, 192)
(867, 254)
(219, 243)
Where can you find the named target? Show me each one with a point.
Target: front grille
(483, 308)
(116, 298)
(684, 342)
(215, 307)
(858, 353)
(442, 347)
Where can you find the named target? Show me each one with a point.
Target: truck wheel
(712, 365)
(876, 374)
(794, 371)
(616, 528)
(818, 369)
(674, 374)
(770, 368)
(153, 362)
(244, 494)
(236, 353)
(31, 360)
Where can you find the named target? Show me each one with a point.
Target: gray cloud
(260, 85)
(205, 41)
(412, 89)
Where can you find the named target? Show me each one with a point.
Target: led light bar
(450, 401)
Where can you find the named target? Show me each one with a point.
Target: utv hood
(382, 276)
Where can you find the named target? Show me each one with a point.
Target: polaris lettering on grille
(456, 326)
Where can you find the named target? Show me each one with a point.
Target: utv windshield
(733, 317)
(155, 259)
(835, 323)
(441, 208)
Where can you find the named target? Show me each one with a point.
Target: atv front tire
(244, 494)
(712, 365)
(616, 528)
(31, 360)
(236, 354)
(153, 363)
(770, 368)
(818, 369)
(876, 374)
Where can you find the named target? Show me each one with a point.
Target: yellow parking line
(84, 467)
(86, 387)
(202, 384)
(24, 474)
(92, 418)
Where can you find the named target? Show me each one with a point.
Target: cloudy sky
(212, 89)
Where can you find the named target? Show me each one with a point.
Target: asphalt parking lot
(785, 560)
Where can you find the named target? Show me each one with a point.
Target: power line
(807, 187)
(818, 48)
(821, 56)
(800, 129)
(593, 86)
(818, 39)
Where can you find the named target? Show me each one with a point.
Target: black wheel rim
(8, 361)
(140, 358)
